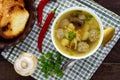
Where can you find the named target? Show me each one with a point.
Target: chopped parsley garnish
(71, 35)
(50, 64)
(89, 18)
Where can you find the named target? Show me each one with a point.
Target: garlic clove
(25, 64)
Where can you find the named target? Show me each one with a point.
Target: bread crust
(13, 18)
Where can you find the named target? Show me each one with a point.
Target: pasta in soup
(76, 33)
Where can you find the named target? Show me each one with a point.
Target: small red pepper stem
(44, 29)
(54, 10)
(41, 6)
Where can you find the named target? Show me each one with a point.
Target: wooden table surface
(109, 70)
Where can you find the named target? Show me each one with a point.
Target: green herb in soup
(76, 33)
(71, 35)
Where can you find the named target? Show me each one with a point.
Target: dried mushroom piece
(76, 21)
(25, 64)
(83, 47)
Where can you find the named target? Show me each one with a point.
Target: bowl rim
(90, 12)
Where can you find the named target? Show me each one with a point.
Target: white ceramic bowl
(83, 9)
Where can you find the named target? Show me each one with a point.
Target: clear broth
(93, 22)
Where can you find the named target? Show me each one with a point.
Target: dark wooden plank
(113, 5)
(2, 59)
(108, 71)
(110, 68)
(114, 55)
(7, 72)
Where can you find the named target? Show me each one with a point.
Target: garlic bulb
(25, 64)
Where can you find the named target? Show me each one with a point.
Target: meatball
(60, 33)
(93, 35)
(82, 47)
(64, 23)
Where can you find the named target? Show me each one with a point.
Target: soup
(76, 33)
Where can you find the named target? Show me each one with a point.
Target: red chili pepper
(40, 10)
(44, 29)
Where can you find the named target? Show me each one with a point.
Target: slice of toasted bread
(16, 22)
(7, 3)
(1, 2)
(5, 7)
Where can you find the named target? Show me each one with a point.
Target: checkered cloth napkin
(83, 69)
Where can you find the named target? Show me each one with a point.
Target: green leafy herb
(89, 18)
(51, 65)
(71, 35)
